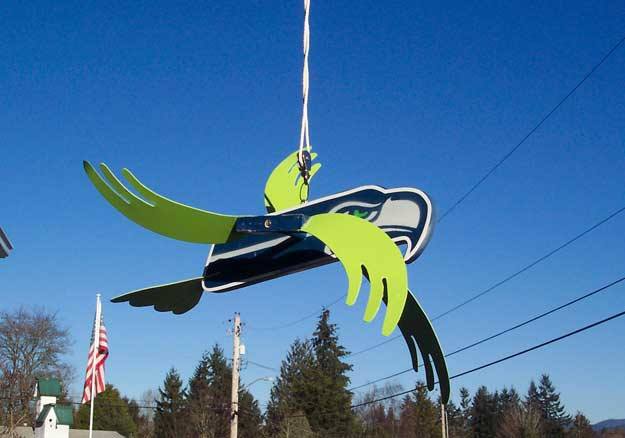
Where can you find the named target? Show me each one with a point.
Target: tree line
(309, 398)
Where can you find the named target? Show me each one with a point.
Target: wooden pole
(234, 409)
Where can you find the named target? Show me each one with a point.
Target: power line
(537, 317)
(531, 265)
(301, 319)
(508, 330)
(68, 400)
(117, 405)
(381, 379)
(506, 279)
(476, 185)
(505, 358)
(374, 346)
(529, 134)
(260, 365)
(464, 373)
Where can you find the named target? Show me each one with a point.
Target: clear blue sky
(202, 100)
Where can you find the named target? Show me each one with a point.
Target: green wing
(285, 188)
(364, 248)
(159, 214)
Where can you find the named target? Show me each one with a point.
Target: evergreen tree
(141, 421)
(209, 400)
(419, 416)
(110, 412)
(581, 427)
(465, 409)
(465, 400)
(289, 394)
(170, 419)
(483, 414)
(250, 416)
(555, 419)
(506, 400)
(332, 414)
(208, 404)
(532, 396)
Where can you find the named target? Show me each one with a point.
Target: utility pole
(234, 409)
(443, 421)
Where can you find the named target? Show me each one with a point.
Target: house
(5, 244)
(53, 419)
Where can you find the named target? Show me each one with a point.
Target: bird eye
(362, 214)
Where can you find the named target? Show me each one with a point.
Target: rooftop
(64, 414)
(48, 387)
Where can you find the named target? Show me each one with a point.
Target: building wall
(44, 400)
(49, 429)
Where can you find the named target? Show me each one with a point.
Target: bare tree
(523, 421)
(379, 418)
(9, 430)
(295, 426)
(32, 344)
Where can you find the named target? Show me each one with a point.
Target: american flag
(100, 359)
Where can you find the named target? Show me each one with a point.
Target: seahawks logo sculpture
(362, 228)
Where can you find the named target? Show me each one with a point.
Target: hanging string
(304, 139)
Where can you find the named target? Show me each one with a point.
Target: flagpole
(96, 347)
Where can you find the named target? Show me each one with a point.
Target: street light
(264, 379)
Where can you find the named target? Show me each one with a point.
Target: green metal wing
(159, 214)
(285, 187)
(363, 248)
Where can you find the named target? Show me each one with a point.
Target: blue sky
(201, 101)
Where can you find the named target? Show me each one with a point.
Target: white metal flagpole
(96, 347)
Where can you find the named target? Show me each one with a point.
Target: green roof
(64, 414)
(49, 387)
(43, 414)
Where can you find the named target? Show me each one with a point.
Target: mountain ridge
(608, 424)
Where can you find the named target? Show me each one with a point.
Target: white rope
(304, 138)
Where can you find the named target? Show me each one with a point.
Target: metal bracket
(284, 223)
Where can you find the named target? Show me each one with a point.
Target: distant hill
(608, 424)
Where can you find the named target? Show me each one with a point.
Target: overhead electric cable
(260, 365)
(529, 134)
(505, 358)
(531, 265)
(508, 330)
(301, 319)
(505, 280)
(462, 198)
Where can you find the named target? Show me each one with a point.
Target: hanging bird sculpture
(363, 228)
